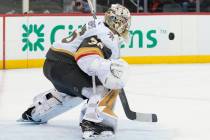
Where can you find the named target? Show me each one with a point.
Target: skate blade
(20, 120)
(90, 135)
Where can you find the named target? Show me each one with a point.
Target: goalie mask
(118, 19)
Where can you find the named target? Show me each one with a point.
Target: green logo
(33, 37)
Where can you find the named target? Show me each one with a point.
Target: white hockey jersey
(92, 28)
(94, 48)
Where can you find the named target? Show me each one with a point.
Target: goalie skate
(92, 130)
(27, 118)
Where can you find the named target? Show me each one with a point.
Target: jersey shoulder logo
(111, 36)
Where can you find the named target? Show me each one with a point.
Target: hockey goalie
(86, 67)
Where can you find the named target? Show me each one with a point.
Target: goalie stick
(142, 117)
(92, 10)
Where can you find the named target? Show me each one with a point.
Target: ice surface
(179, 94)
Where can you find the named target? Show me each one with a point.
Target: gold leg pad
(108, 102)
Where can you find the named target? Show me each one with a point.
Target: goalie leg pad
(50, 104)
(105, 110)
(106, 106)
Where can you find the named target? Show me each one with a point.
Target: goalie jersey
(94, 38)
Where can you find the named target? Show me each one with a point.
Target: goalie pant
(64, 73)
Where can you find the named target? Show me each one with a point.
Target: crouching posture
(86, 66)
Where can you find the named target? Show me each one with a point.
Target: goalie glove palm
(117, 69)
(116, 78)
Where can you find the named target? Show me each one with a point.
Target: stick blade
(142, 117)
(146, 117)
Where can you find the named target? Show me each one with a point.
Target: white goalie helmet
(118, 18)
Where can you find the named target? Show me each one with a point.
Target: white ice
(179, 94)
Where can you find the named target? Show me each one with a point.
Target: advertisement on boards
(178, 35)
(30, 37)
